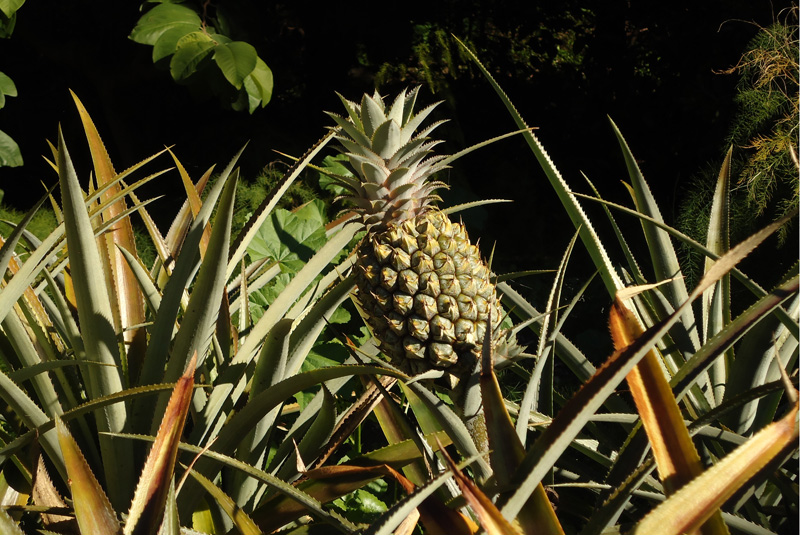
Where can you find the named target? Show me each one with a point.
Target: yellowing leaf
(675, 454)
(698, 500)
(92, 508)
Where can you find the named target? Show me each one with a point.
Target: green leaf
(95, 316)
(93, 511)
(291, 238)
(167, 43)
(10, 156)
(9, 7)
(258, 85)
(7, 88)
(162, 18)
(8, 525)
(192, 49)
(236, 60)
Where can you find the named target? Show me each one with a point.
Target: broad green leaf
(192, 49)
(149, 501)
(291, 238)
(167, 42)
(7, 88)
(258, 85)
(162, 18)
(236, 60)
(10, 155)
(92, 508)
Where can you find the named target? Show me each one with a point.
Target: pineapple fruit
(422, 286)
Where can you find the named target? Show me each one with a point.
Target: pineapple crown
(391, 162)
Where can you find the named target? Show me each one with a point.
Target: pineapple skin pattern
(422, 287)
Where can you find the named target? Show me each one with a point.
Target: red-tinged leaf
(693, 504)
(92, 508)
(506, 452)
(491, 519)
(147, 508)
(676, 457)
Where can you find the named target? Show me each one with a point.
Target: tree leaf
(258, 85)
(192, 49)
(164, 17)
(10, 156)
(236, 60)
(7, 88)
(167, 43)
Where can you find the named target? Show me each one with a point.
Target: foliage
(189, 39)
(94, 339)
(8, 16)
(767, 123)
(766, 128)
(10, 155)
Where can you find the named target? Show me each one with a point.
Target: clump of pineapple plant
(277, 382)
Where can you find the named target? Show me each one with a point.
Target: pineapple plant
(423, 288)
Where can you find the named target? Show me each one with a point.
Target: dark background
(566, 65)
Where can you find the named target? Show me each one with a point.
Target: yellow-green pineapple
(423, 287)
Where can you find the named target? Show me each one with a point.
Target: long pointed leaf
(695, 503)
(92, 508)
(149, 500)
(573, 416)
(675, 454)
(97, 328)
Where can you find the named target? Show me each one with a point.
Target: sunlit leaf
(92, 508)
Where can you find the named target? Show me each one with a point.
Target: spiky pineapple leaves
(93, 511)
(676, 457)
(695, 503)
(507, 453)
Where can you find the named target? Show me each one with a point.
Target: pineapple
(422, 286)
